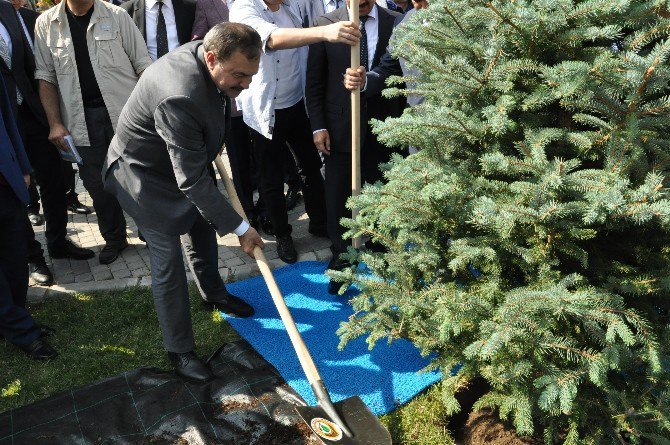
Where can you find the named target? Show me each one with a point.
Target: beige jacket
(118, 54)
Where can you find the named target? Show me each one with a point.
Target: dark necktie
(364, 42)
(161, 33)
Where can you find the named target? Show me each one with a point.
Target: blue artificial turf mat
(383, 377)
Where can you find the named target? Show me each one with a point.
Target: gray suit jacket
(309, 11)
(169, 132)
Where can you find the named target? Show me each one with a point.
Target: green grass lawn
(106, 333)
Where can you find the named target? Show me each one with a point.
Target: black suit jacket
(328, 102)
(22, 73)
(184, 15)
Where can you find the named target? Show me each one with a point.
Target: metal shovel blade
(365, 427)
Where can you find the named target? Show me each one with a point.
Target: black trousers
(292, 126)
(240, 154)
(16, 324)
(70, 183)
(45, 161)
(338, 183)
(111, 222)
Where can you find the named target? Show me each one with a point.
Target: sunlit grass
(103, 334)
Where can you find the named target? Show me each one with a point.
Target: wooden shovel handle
(355, 122)
(304, 356)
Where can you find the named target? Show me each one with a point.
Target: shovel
(348, 422)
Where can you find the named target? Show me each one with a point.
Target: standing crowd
(148, 92)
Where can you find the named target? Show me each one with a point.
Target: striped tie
(4, 53)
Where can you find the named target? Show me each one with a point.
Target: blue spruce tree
(529, 238)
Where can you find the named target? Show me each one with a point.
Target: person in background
(170, 131)
(329, 105)
(89, 57)
(373, 82)
(17, 326)
(164, 24)
(73, 203)
(274, 108)
(17, 67)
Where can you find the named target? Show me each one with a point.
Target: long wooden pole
(355, 121)
(304, 356)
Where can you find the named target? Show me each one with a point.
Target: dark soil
(295, 434)
(236, 405)
(484, 427)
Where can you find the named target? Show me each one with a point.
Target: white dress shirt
(257, 103)
(330, 5)
(5, 36)
(289, 86)
(151, 23)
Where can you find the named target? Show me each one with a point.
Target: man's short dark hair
(226, 38)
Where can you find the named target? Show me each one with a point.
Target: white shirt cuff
(365, 84)
(242, 228)
(319, 130)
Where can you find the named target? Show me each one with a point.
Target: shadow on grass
(99, 334)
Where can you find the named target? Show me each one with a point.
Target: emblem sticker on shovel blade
(326, 429)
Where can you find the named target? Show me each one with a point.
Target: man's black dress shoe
(40, 350)
(41, 274)
(292, 198)
(68, 249)
(336, 264)
(190, 367)
(35, 218)
(75, 206)
(334, 287)
(286, 250)
(231, 305)
(111, 252)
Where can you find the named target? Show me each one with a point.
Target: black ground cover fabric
(248, 403)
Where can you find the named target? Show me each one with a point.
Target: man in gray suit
(169, 132)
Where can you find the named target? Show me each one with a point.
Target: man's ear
(210, 59)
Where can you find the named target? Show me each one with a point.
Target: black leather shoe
(334, 287)
(75, 206)
(68, 249)
(231, 305)
(266, 225)
(110, 253)
(35, 218)
(141, 237)
(286, 250)
(40, 350)
(318, 230)
(292, 198)
(41, 274)
(187, 365)
(336, 263)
